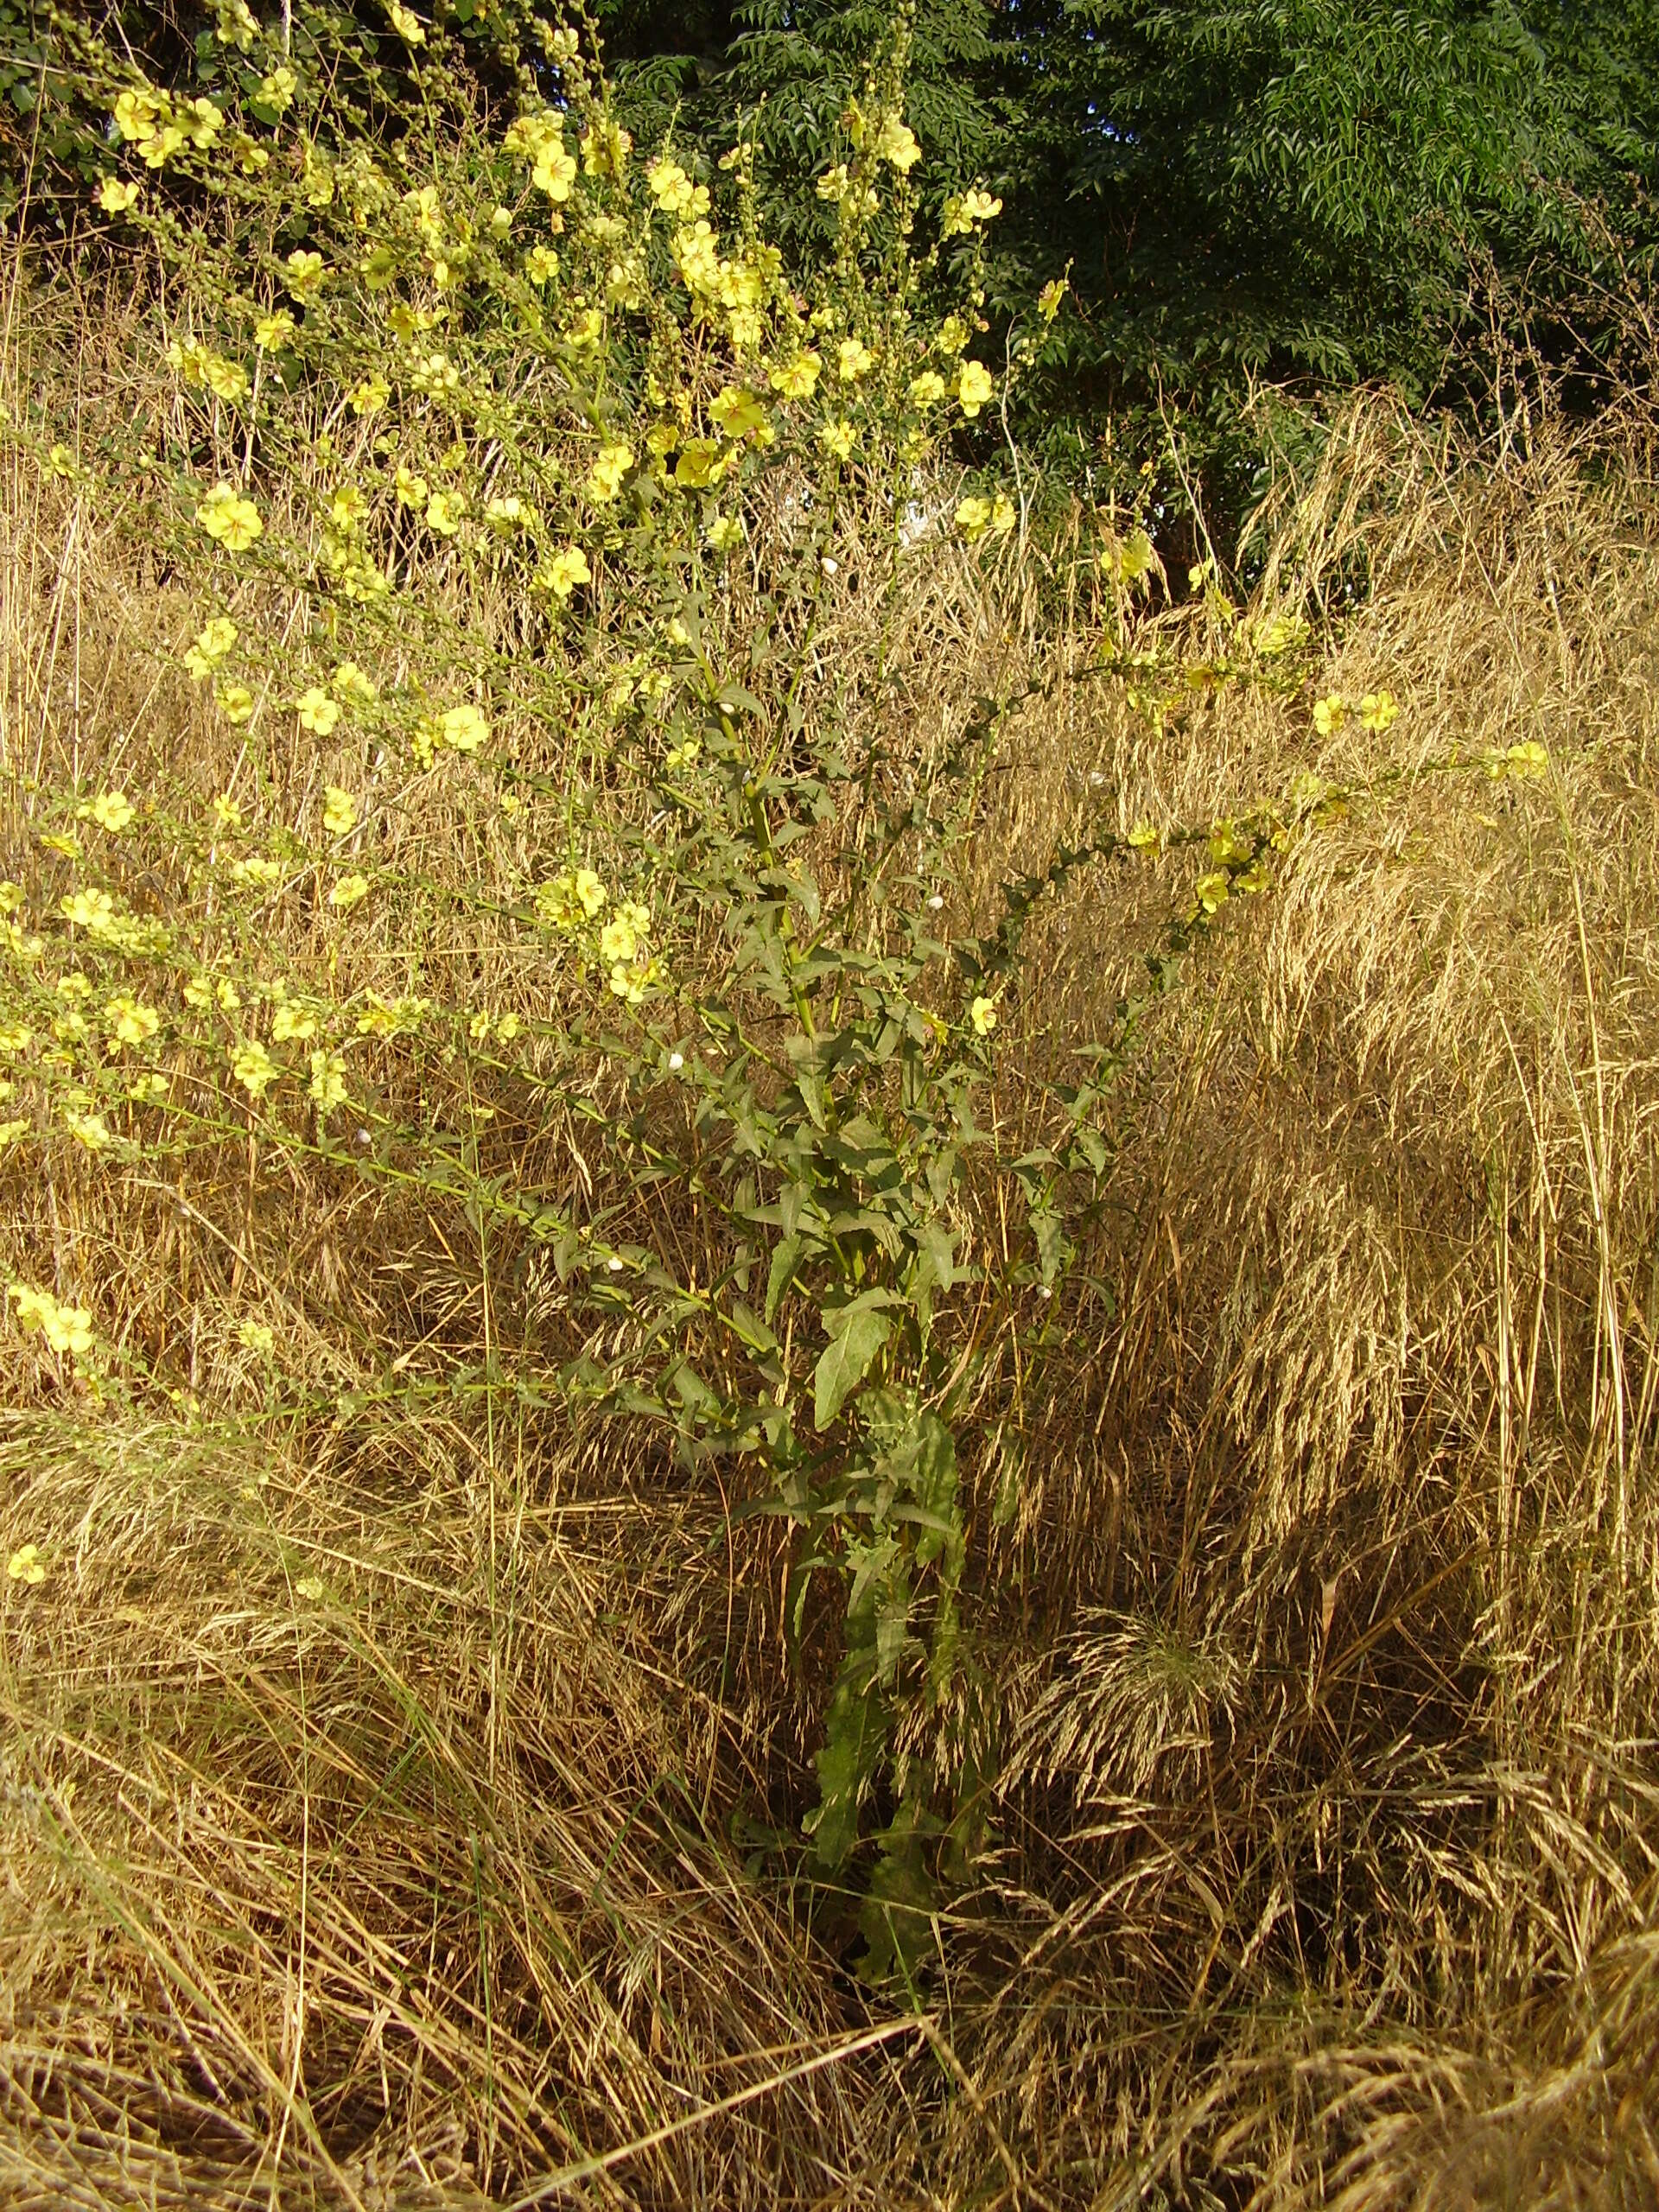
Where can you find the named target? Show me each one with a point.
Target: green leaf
(751, 1330)
(1092, 1146)
(936, 1468)
(810, 1084)
(846, 1360)
(1053, 1246)
(784, 1255)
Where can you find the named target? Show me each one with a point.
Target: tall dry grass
(1312, 1582)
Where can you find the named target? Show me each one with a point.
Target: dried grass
(1314, 1585)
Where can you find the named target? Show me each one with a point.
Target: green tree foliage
(789, 67)
(1309, 188)
(1314, 186)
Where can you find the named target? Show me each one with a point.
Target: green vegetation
(827, 1320)
(1317, 190)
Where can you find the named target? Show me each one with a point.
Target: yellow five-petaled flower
(230, 519)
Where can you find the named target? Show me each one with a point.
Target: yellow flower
(402, 1018)
(115, 197)
(228, 381)
(291, 1024)
(572, 898)
(1049, 298)
(65, 1328)
(505, 513)
(444, 511)
(189, 360)
(227, 994)
(235, 701)
(542, 263)
(982, 1014)
(253, 1068)
(464, 729)
(318, 712)
(130, 1021)
(699, 464)
(305, 274)
(723, 532)
(88, 910)
(797, 380)
(739, 412)
(554, 173)
(407, 24)
(90, 1129)
(352, 683)
(327, 1087)
(339, 811)
(973, 516)
(1330, 713)
(605, 148)
(412, 490)
(960, 214)
(1129, 561)
(674, 191)
(926, 390)
(619, 939)
(1004, 514)
(836, 438)
(350, 891)
(435, 374)
(272, 332)
(111, 810)
(368, 396)
(535, 134)
(26, 1564)
(1527, 759)
(277, 91)
(1378, 710)
(974, 387)
(896, 143)
(212, 642)
(630, 980)
(256, 869)
(319, 178)
(1211, 890)
(563, 571)
(227, 815)
(854, 359)
(256, 1337)
(611, 464)
(230, 521)
(854, 196)
(136, 111)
